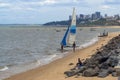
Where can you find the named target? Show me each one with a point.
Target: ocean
(24, 47)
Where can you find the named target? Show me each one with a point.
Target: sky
(42, 11)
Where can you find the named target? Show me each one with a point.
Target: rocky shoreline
(102, 63)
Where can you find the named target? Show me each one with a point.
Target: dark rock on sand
(71, 64)
(90, 72)
(114, 74)
(102, 63)
(118, 71)
(103, 73)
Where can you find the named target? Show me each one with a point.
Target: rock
(104, 66)
(118, 71)
(118, 78)
(103, 73)
(117, 51)
(111, 70)
(82, 69)
(69, 73)
(90, 72)
(114, 74)
(113, 62)
(103, 59)
(71, 64)
(73, 72)
(102, 63)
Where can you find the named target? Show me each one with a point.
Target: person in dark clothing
(74, 45)
(104, 33)
(61, 48)
(79, 64)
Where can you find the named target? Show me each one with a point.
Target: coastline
(55, 70)
(104, 27)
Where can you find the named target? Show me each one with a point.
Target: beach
(55, 70)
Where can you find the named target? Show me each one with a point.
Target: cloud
(40, 3)
(4, 4)
(104, 7)
(37, 4)
(112, 2)
(53, 2)
(14, 6)
(39, 9)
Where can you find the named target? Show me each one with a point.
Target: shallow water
(24, 48)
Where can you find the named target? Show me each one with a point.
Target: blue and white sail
(70, 35)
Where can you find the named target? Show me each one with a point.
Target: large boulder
(114, 74)
(74, 71)
(103, 73)
(118, 71)
(102, 63)
(90, 72)
(71, 73)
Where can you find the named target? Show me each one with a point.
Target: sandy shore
(56, 69)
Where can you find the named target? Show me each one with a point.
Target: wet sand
(56, 69)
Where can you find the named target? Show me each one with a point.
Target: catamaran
(70, 35)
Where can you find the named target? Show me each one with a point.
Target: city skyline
(94, 16)
(42, 11)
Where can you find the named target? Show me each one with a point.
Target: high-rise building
(77, 17)
(93, 16)
(81, 16)
(116, 17)
(70, 17)
(105, 16)
(98, 15)
(87, 16)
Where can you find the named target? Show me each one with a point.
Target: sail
(70, 34)
(72, 31)
(64, 40)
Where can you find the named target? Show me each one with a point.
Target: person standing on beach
(74, 45)
(61, 48)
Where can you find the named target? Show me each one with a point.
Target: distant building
(98, 15)
(93, 16)
(116, 17)
(70, 17)
(87, 16)
(105, 16)
(81, 16)
(110, 18)
(77, 17)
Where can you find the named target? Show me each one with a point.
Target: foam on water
(3, 68)
(12, 70)
(50, 58)
(6, 72)
(94, 40)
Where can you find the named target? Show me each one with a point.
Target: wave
(48, 59)
(3, 68)
(94, 40)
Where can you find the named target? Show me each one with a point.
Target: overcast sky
(42, 11)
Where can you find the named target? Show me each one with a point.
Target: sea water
(23, 48)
